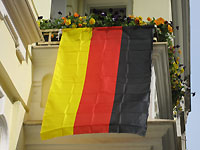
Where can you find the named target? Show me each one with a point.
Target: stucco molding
(11, 30)
(9, 87)
(161, 64)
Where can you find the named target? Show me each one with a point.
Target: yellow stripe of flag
(67, 84)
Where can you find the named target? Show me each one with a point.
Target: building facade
(26, 71)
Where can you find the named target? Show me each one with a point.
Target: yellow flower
(92, 21)
(182, 70)
(141, 22)
(80, 18)
(84, 23)
(170, 29)
(38, 22)
(177, 102)
(176, 66)
(140, 18)
(159, 21)
(180, 108)
(68, 22)
(74, 25)
(85, 17)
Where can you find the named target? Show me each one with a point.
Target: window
(104, 5)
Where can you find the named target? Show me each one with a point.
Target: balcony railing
(51, 37)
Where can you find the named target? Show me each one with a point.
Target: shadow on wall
(46, 83)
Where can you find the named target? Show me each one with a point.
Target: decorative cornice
(160, 133)
(24, 21)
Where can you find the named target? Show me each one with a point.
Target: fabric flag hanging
(101, 82)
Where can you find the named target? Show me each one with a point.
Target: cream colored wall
(144, 8)
(44, 59)
(43, 8)
(153, 8)
(14, 115)
(20, 74)
(21, 77)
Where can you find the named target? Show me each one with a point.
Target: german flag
(101, 82)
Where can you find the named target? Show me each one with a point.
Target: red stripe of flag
(95, 108)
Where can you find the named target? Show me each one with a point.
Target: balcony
(161, 126)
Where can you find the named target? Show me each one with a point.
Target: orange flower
(76, 15)
(179, 51)
(63, 18)
(170, 28)
(149, 19)
(137, 20)
(80, 25)
(131, 16)
(159, 21)
(52, 36)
